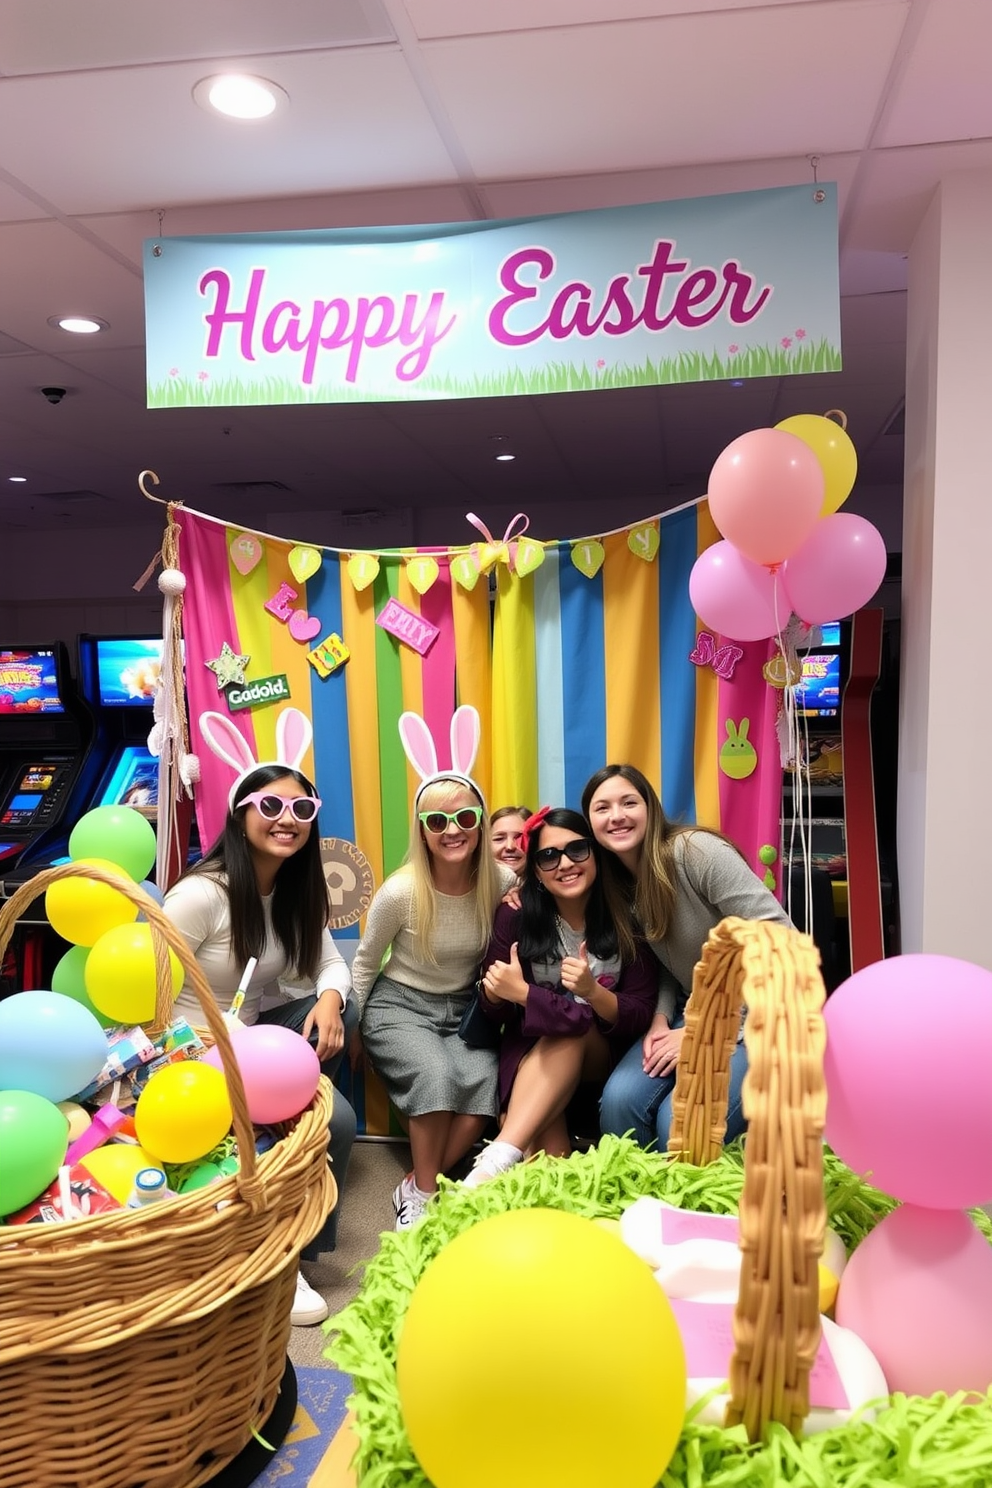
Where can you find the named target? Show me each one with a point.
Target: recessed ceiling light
(503, 450)
(78, 325)
(17, 477)
(240, 96)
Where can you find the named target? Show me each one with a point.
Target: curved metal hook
(144, 489)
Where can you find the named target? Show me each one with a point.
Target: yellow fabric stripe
(358, 633)
(411, 675)
(514, 690)
(473, 668)
(254, 624)
(633, 662)
(707, 693)
(286, 655)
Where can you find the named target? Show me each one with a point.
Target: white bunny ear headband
(293, 734)
(419, 748)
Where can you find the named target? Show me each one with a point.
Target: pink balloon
(918, 1292)
(837, 569)
(894, 1029)
(279, 1069)
(765, 494)
(736, 597)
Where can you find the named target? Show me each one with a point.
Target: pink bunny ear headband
(420, 750)
(293, 734)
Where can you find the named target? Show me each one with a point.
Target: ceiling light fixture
(78, 325)
(239, 95)
(17, 478)
(503, 451)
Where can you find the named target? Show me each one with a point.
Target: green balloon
(69, 978)
(34, 1136)
(119, 834)
(767, 854)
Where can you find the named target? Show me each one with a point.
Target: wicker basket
(146, 1346)
(773, 972)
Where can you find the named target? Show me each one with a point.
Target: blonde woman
(418, 964)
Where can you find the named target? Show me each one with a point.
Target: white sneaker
(409, 1202)
(497, 1158)
(309, 1306)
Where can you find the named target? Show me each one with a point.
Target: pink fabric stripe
(439, 663)
(751, 809)
(203, 548)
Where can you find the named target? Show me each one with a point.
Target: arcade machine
(46, 754)
(118, 677)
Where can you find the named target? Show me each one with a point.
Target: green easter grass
(914, 1443)
(201, 390)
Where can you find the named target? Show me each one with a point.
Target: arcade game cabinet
(46, 742)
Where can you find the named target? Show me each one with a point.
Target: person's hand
(661, 1051)
(325, 1017)
(576, 976)
(512, 897)
(504, 981)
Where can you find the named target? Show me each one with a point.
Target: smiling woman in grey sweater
(676, 884)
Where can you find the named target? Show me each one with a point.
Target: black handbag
(475, 1029)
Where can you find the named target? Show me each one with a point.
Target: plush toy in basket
(150, 1344)
(757, 1312)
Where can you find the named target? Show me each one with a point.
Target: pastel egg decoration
(918, 1291)
(34, 1136)
(118, 834)
(579, 1337)
(69, 979)
(120, 974)
(49, 1045)
(82, 909)
(279, 1069)
(881, 1032)
(183, 1112)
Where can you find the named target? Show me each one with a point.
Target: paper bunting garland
(304, 562)
(465, 571)
(363, 569)
(246, 553)
(422, 570)
(588, 556)
(644, 541)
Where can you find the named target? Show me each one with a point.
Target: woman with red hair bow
(569, 1001)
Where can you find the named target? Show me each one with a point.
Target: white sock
(501, 1150)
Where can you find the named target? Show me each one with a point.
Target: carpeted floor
(367, 1210)
(320, 1409)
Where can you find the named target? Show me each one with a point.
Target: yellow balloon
(183, 1111)
(115, 1165)
(81, 910)
(553, 1317)
(120, 974)
(835, 452)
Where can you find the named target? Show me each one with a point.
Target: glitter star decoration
(228, 667)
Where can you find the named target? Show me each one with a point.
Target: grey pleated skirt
(412, 1041)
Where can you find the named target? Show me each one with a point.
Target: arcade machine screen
(128, 671)
(43, 741)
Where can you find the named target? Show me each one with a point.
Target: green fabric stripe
(392, 760)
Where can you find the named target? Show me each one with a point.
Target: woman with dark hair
(672, 884)
(259, 893)
(569, 997)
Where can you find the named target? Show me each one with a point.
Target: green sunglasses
(467, 818)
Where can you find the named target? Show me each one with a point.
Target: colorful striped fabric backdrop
(568, 673)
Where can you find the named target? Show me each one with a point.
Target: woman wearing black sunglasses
(259, 892)
(570, 1002)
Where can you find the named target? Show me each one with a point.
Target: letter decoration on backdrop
(574, 665)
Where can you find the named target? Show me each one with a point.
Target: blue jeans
(642, 1104)
(343, 1122)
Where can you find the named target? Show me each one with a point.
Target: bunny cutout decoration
(420, 750)
(293, 734)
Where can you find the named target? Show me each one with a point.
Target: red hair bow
(531, 825)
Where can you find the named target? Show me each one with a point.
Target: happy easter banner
(713, 288)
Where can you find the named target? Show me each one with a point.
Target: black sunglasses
(576, 852)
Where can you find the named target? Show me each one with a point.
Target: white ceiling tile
(944, 92)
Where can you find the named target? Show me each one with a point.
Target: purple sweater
(552, 1012)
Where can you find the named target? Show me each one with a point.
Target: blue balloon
(50, 1045)
(154, 892)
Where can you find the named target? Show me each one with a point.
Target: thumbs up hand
(504, 981)
(576, 976)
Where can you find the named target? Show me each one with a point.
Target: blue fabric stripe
(329, 712)
(583, 662)
(550, 704)
(678, 683)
